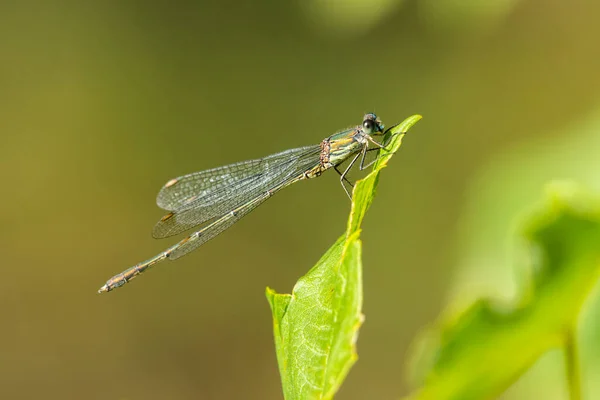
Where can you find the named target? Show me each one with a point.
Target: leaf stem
(573, 368)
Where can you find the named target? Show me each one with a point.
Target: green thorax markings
(343, 144)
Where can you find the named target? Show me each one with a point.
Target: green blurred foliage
(465, 17)
(103, 102)
(477, 354)
(347, 18)
(488, 228)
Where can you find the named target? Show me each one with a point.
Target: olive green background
(102, 102)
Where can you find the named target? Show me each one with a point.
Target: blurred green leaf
(316, 327)
(467, 16)
(478, 353)
(347, 17)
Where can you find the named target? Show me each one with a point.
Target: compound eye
(368, 126)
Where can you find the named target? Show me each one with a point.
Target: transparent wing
(182, 191)
(240, 188)
(202, 236)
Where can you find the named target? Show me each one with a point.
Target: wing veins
(177, 192)
(205, 208)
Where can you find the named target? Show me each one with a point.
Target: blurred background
(102, 102)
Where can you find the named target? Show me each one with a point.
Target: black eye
(368, 126)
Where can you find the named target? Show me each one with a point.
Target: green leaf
(478, 353)
(316, 327)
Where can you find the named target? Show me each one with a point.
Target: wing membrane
(233, 189)
(184, 190)
(177, 193)
(197, 239)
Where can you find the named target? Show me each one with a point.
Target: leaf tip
(409, 122)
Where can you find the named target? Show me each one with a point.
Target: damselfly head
(372, 125)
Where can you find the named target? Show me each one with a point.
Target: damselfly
(217, 198)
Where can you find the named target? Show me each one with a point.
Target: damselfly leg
(362, 166)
